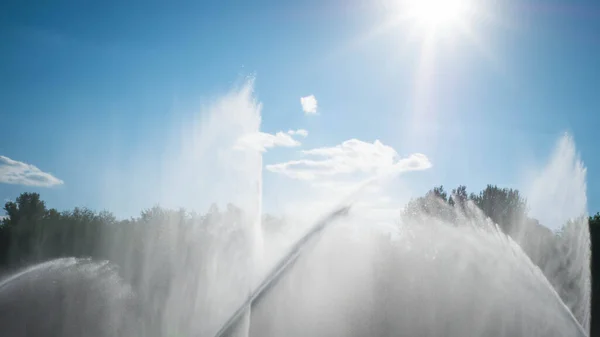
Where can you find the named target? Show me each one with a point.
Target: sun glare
(438, 14)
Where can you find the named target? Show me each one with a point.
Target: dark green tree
(459, 196)
(594, 226)
(504, 206)
(23, 217)
(27, 208)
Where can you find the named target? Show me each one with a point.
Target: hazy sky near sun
(93, 95)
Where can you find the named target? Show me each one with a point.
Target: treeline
(152, 247)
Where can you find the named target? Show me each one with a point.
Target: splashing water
(66, 298)
(215, 266)
(421, 276)
(432, 279)
(557, 197)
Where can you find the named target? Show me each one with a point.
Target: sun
(437, 15)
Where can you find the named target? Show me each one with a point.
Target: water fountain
(423, 276)
(431, 279)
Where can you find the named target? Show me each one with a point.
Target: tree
(28, 207)
(430, 205)
(594, 226)
(459, 196)
(440, 193)
(23, 216)
(504, 206)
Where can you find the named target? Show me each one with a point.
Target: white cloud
(354, 172)
(351, 157)
(299, 132)
(261, 141)
(309, 104)
(19, 173)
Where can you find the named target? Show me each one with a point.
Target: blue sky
(94, 91)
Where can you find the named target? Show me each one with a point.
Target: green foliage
(595, 220)
(503, 205)
(594, 226)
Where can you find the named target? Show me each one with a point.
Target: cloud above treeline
(20, 173)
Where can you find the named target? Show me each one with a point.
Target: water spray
(280, 268)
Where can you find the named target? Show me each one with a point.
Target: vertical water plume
(221, 275)
(190, 271)
(557, 197)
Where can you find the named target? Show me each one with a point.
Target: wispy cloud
(309, 104)
(350, 157)
(19, 173)
(299, 132)
(261, 141)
